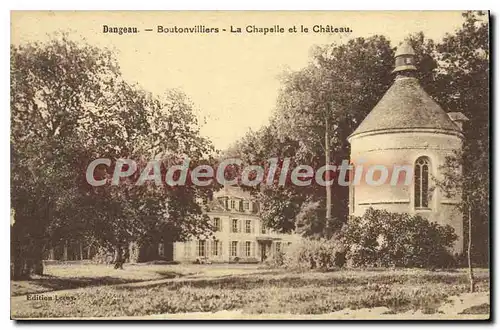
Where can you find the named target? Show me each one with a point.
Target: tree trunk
(65, 251)
(469, 248)
(26, 254)
(119, 260)
(26, 262)
(328, 202)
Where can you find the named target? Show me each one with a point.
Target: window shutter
(253, 226)
(208, 247)
(239, 225)
(229, 249)
(253, 249)
(219, 246)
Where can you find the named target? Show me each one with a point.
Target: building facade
(408, 128)
(239, 235)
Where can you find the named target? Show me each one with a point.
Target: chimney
(405, 59)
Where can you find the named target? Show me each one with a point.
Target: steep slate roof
(406, 105)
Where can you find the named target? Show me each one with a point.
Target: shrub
(381, 239)
(277, 260)
(314, 254)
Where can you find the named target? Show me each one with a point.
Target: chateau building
(407, 127)
(239, 236)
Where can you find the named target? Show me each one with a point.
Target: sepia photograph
(250, 165)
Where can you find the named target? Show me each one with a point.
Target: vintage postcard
(250, 165)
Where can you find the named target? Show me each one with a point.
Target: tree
(465, 81)
(52, 85)
(70, 106)
(464, 84)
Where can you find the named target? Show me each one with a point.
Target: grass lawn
(250, 288)
(73, 275)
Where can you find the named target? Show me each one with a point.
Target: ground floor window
(202, 249)
(234, 248)
(216, 248)
(248, 249)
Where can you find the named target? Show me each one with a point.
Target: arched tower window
(422, 182)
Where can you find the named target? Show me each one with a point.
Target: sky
(232, 78)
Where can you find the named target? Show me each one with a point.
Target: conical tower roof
(406, 106)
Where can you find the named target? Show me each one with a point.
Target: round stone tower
(408, 133)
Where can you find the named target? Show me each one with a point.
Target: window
(234, 227)
(278, 246)
(223, 202)
(248, 226)
(217, 224)
(216, 248)
(233, 204)
(246, 205)
(248, 249)
(422, 182)
(263, 230)
(234, 248)
(201, 249)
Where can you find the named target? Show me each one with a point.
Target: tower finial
(405, 58)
